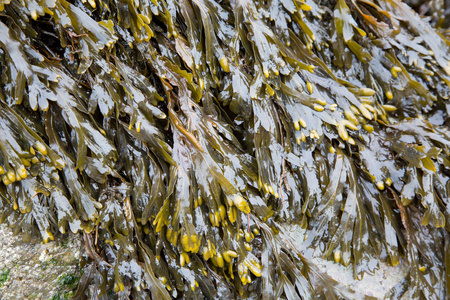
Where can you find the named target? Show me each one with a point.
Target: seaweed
(180, 137)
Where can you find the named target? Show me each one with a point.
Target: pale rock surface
(377, 285)
(38, 270)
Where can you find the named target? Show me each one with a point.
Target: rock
(375, 285)
(34, 270)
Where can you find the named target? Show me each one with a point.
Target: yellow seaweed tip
(2, 171)
(119, 287)
(6, 181)
(337, 256)
(318, 108)
(25, 162)
(389, 108)
(138, 126)
(11, 176)
(360, 31)
(321, 102)
(342, 131)
(248, 236)
(309, 87)
(367, 92)
(254, 269)
(214, 220)
(271, 191)
(48, 236)
(388, 182)
(303, 137)
(163, 279)
(144, 18)
(355, 110)
(314, 134)
(389, 95)
(351, 117)
(217, 217)
(247, 246)
(370, 108)
(302, 123)
(219, 260)
(224, 64)
(364, 111)
(232, 253)
(226, 258)
(184, 259)
(348, 124)
(368, 128)
(380, 185)
(41, 148)
(395, 71)
(185, 242)
(241, 204)
(333, 107)
(193, 286)
(296, 126)
(34, 15)
(222, 212)
(232, 214)
(305, 7)
(244, 280)
(22, 172)
(265, 188)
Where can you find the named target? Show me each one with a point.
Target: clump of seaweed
(179, 135)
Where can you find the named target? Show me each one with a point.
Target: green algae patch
(69, 280)
(4, 276)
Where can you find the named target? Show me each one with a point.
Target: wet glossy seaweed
(179, 136)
